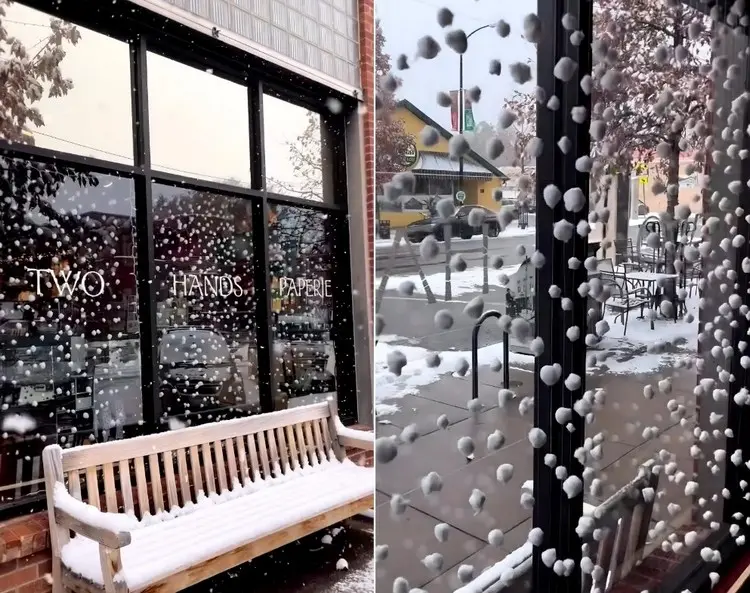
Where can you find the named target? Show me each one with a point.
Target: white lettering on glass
(85, 281)
(206, 285)
(306, 287)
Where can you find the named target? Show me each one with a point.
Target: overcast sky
(405, 21)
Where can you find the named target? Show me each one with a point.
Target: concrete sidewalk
(410, 536)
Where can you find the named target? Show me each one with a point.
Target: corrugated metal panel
(309, 20)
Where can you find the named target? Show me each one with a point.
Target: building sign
(307, 287)
(206, 285)
(90, 283)
(411, 155)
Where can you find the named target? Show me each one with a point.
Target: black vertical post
(554, 513)
(261, 270)
(144, 228)
(333, 131)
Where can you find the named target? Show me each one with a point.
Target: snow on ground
(628, 354)
(511, 230)
(466, 282)
(417, 374)
(356, 581)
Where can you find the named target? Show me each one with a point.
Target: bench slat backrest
(158, 472)
(622, 524)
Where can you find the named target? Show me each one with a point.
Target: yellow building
(437, 175)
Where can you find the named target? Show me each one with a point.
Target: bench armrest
(106, 537)
(349, 437)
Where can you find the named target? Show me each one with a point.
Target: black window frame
(147, 31)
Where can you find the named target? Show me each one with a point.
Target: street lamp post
(460, 107)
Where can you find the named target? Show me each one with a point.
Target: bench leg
(57, 584)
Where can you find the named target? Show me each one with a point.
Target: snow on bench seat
(210, 530)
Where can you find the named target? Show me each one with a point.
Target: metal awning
(442, 165)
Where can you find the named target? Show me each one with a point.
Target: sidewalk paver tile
(410, 537)
(424, 413)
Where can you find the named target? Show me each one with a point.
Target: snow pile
(164, 548)
(469, 281)
(417, 373)
(344, 431)
(86, 513)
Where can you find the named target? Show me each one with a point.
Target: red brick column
(367, 75)
(25, 559)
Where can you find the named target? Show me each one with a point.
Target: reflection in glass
(301, 268)
(67, 87)
(293, 150)
(199, 123)
(69, 333)
(205, 305)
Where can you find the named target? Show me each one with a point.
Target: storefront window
(198, 123)
(300, 258)
(69, 328)
(293, 150)
(205, 309)
(69, 89)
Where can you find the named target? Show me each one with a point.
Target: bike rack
(475, 353)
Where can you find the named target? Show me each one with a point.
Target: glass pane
(69, 332)
(66, 87)
(659, 356)
(199, 123)
(301, 243)
(456, 237)
(208, 364)
(294, 150)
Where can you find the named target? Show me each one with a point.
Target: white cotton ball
(495, 441)
(429, 136)
(573, 333)
(442, 421)
(432, 360)
(520, 72)
(443, 319)
(534, 148)
(445, 208)
(326, 539)
(431, 483)
(504, 396)
(562, 230)
(342, 564)
(504, 473)
(554, 291)
(563, 415)
(474, 308)
(572, 486)
(691, 488)
(396, 361)
(466, 446)
(477, 500)
(433, 562)
(578, 114)
(521, 329)
(502, 28)
(465, 573)
(537, 437)
(548, 557)
(385, 449)
(409, 434)
(496, 538)
(535, 537)
(552, 195)
(537, 346)
(429, 248)
(398, 504)
(458, 263)
(565, 69)
(550, 374)
(427, 48)
(400, 585)
(381, 552)
(550, 460)
(506, 118)
(442, 530)
(495, 148)
(574, 199)
(458, 146)
(476, 217)
(538, 260)
(406, 288)
(573, 382)
(444, 17)
(561, 472)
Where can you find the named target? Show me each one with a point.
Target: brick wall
(367, 74)
(25, 560)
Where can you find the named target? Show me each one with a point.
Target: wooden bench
(161, 512)
(615, 542)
